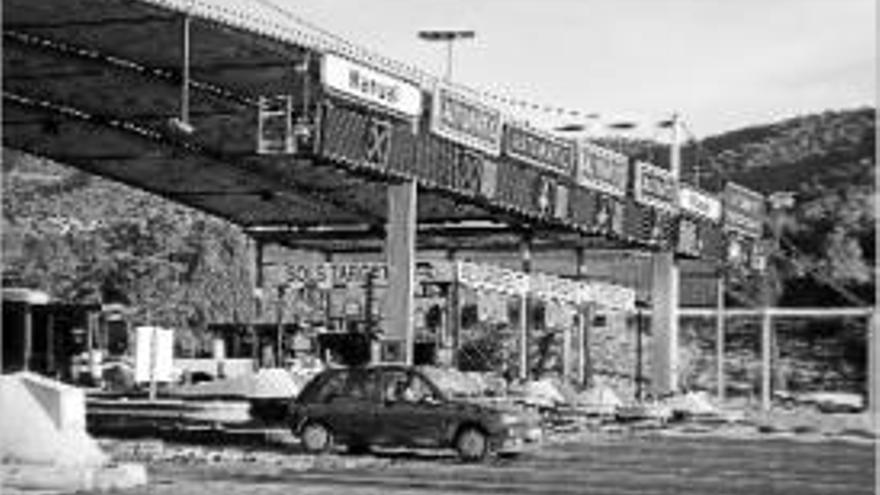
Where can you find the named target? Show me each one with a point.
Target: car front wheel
(317, 438)
(472, 444)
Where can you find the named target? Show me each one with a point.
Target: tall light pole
(449, 37)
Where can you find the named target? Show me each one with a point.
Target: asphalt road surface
(626, 465)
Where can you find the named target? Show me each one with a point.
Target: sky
(719, 64)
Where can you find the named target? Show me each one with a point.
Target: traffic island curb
(44, 478)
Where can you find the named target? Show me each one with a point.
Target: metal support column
(766, 352)
(28, 335)
(256, 347)
(452, 329)
(719, 339)
(874, 368)
(526, 256)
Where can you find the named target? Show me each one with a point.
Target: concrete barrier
(43, 441)
(43, 422)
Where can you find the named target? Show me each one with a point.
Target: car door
(347, 404)
(360, 401)
(411, 412)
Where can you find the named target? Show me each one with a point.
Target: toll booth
(27, 344)
(61, 340)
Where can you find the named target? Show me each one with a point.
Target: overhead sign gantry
(291, 135)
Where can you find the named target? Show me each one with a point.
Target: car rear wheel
(471, 444)
(316, 437)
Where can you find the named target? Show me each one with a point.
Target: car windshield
(452, 383)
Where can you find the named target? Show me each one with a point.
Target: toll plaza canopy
(296, 135)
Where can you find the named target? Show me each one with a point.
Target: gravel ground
(630, 461)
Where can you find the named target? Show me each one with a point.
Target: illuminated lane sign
(743, 210)
(602, 170)
(699, 203)
(466, 121)
(371, 86)
(540, 149)
(655, 186)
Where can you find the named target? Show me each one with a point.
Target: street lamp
(450, 37)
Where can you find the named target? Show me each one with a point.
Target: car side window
(363, 386)
(332, 388)
(393, 385)
(400, 386)
(419, 390)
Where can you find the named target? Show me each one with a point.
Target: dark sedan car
(395, 405)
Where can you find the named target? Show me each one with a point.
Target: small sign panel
(540, 149)
(371, 86)
(602, 170)
(154, 351)
(744, 210)
(466, 121)
(699, 203)
(655, 186)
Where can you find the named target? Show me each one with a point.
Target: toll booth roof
(24, 295)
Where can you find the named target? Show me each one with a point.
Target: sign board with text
(602, 169)
(744, 210)
(655, 186)
(328, 275)
(699, 203)
(466, 121)
(371, 86)
(540, 149)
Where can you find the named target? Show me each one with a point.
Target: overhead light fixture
(180, 127)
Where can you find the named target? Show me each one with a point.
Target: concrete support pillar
(524, 314)
(566, 350)
(400, 246)
(664, 323)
